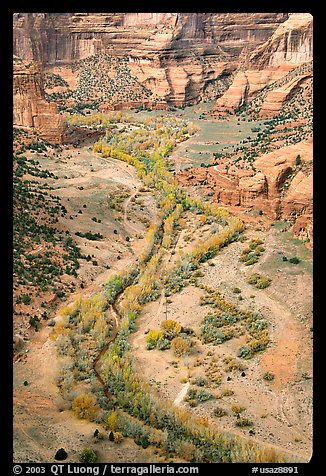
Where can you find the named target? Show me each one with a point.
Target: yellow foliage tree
(85, 406)
(171, 328)
(180, 346)
(113, 421)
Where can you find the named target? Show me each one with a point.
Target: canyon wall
(290, 47)
(174, 55)
(280, 188)
(254, 62)
(30, 109)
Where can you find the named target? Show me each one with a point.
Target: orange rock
(30, 109)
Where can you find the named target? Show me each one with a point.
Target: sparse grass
(219, 412)
(237, 409)
(268, 376)
(244, 422)
(259, 281)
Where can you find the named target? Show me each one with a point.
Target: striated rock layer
(288, 48)
(30, 109)
(174, 55)
(280, 188)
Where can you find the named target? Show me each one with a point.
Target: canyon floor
(281, 410)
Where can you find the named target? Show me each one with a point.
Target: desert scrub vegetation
(88, 456)
(116, 201)
(195, 396)
(229, 321)
(180, 346)
(269, 376)
(80, 334)
(251, 254)
(153, 338)
(219, 412)
(138, 414)
(259, 281)
(243, 422)
(172, 335)
(89, 235)
(232, 364)
(133, 397)
(43, 255)
(85, 406)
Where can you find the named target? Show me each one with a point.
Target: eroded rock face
(174, 55)
(289, 47)
(166, 59)
(281, 188)
(30, 109)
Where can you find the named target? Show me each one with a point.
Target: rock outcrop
(289, 47)
(282, 188)
(174, 55)
(30, 108)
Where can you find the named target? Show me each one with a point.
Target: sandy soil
(42, 421)
(281, 410)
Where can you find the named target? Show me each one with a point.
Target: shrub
(84, 406)
(170, 328)
(227, 392)
(61, 455)
(263, 282)
(142, 441)
(163, 344)
(118, 437)
(254, 243)
(268, 376)
(260, 281)
(87, 456)
(253, 278)
(237, 409)
(219, 412)
(257, 345)
(242, 422)
(26, 299)
(200, 395)
(180, 346)
(236, 290)
(251, 261)
(113, 421)
(186, 451)
(152, 338)
(210, 331)
(294, 260)
(244, 352)
(201, 381)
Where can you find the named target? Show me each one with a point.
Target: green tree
(88, 456)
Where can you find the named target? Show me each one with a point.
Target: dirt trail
(183, 392)
(281, 358)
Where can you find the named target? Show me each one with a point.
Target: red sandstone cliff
(289, 47)
(174, 55)
(280, 188)
(30, 109)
